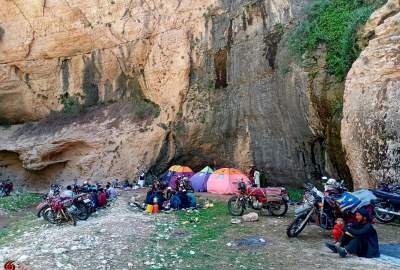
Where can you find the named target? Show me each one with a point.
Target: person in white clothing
(257, 178)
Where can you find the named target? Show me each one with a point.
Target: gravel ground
(120, 238)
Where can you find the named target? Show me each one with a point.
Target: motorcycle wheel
(382, 216)
(41, 211)
(296, 227)
(83, 211)
(71, 219)
(49, 215)
(235, 206)
(278, 209)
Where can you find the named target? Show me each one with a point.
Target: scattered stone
(235, 221)
(250, 217)
(59, 250)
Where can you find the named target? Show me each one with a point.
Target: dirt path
(119, 238)
(110, 239)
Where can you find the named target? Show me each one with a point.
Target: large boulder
(371, 121)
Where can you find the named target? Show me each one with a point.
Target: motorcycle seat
(256, 191)
(386, 195)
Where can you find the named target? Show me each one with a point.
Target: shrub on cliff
(333, 23)
(71, 104)
(146, 109)
(1, 33)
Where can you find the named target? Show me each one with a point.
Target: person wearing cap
(360, 238)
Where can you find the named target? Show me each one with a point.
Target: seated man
(102, 198)
(359, 238)
(68, 193)
(189, 192)
(112, 193)
(156, 190)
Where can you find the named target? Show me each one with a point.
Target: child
(338, 230)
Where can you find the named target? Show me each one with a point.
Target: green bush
(71, 104)
(337, 110)
(146, 109)
(333, 23)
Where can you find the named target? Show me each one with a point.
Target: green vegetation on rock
(333, 23)
(71, 104)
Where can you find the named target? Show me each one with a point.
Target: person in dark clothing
(360, 238)
(156, 191)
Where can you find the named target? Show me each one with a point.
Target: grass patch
(16, 228)
(19, 201)
(203, 245)
(333, 23)
(296, 194)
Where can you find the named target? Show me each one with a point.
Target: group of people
(98, 195)
(358, 238)
(181, 197)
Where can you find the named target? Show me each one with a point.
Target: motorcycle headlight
(309, 198)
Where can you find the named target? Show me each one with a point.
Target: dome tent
(199, 180)
(225, 181)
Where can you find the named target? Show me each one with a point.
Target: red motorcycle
(272, 200)
(61, 211)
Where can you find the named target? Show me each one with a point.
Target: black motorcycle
(387, 206)
(323, 209)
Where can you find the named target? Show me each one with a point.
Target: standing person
(141, 180)
(360, 238)
(256, 176)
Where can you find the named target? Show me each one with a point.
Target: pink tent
(225, 181)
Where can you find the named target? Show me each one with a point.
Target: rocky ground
(120, 237)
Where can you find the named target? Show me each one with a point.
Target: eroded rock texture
(228, 92)
(371, 123)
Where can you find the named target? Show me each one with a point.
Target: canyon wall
(207, 82)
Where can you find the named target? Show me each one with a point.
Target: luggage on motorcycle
(347, 201)
(365, 196)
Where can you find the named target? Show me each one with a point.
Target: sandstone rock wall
(371, 123)
(228, 91)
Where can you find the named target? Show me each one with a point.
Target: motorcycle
(61, 211)
(84, 206)
(323, 209)
(5, 188)
(387, 206)
(272, 201)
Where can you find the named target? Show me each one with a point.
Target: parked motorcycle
(61, 211)
(84, 206)
(323, 209)
(272, 201)
(5, 188)
(387, 206)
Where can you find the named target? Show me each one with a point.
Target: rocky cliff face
(371, 123)
(160, 82)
